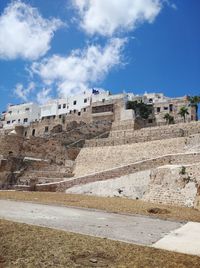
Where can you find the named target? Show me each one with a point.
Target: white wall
(49, 109)
(72, 103)
(17, 113)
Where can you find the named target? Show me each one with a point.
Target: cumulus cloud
(76, 72)
(23, 93)
(43, 96)
(106, 17)
(24, 33)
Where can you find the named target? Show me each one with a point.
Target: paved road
(133, 229)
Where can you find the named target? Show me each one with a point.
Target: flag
(95, 92)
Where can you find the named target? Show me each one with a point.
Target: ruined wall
(11, 145)
(45, 148)
(8, 166)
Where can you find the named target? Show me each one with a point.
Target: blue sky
(55, 48)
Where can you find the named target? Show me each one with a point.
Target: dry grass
(23, 246)
(117, 205)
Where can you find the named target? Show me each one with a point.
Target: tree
(194, 101)
(183, 112)
(169, 118)
(141, 109)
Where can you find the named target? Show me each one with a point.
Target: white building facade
(22, 114)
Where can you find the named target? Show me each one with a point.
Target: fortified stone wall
(193, 142)
(175, 159)
(174, 185)
(97, 159)
(128, 135)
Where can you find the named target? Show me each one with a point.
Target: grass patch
(23, 245)
(112, 204)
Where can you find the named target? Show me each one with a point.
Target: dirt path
(133, 229)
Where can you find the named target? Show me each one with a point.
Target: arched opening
(33, 132)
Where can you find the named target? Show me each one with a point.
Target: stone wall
(127, 134)
(193, 142)
(97, 159)
(8, 167)
(174, 185)
(129, 186)
(123, 170)
(11, 145)
(46, 125)
(45, 148)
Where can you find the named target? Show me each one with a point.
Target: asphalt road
(133, 229)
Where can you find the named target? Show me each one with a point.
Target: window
(165, 108)
(25, 133)
(74, 102)
(85, 100)
(158, 109)
(103, 100)
(25, 120)
(13, 121)
(79, 113)
(64, 106)
(10, 112)
(84, 109)
(150, 100)
(70, 111)
(150, 121)
(27, 109)
(60, 116)
(18, 120)
(33, 132)
(8, 122)
(74, 111)
(46, 129)
(59, 106)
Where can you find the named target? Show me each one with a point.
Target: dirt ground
(24, 246)
(114, 204)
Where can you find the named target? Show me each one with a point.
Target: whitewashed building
(67, 105)
(22, 114)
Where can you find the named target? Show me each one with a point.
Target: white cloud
(78, 71)
(24, 33)
(43, 96)
(23, 93)
(106, 17)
